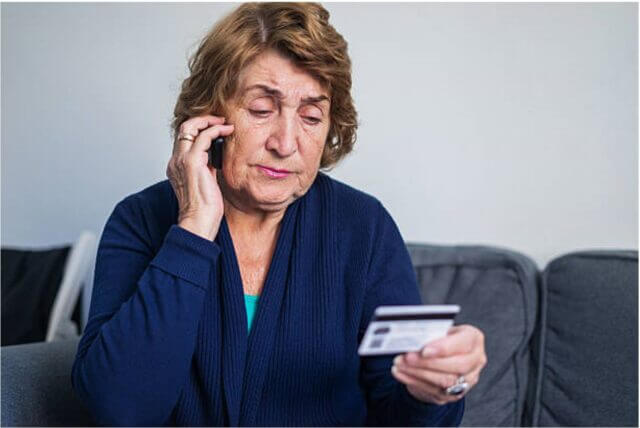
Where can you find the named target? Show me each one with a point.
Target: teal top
(250, 303)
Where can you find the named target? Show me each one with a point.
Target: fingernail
(429, 352)
(397, 360)
(410, 357)
(394, 369)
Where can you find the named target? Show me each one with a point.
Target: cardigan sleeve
(392, 281)
(136, 350)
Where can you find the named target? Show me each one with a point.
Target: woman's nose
(284, 138)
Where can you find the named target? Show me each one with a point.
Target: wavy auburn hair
(298, 31)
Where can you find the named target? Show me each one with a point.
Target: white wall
(503, 124)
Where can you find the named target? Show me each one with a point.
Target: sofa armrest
(36, 386)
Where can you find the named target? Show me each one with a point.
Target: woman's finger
(436, 379)
(464, 363)
(439, 379)
(422, 390)
(473, 377)
(193, 126)
(403, 377)
(460, 339)
(203, 142)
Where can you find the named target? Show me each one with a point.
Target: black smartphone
(215, 153)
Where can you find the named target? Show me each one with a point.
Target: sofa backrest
(497, 292)
(585, 367)
(36, 386)
(586, 349)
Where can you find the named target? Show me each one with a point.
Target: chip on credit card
(400, 329)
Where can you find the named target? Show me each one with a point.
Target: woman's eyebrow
(277, 94)
(313, 100)
(271, 91)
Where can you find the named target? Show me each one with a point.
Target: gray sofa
(562, 344)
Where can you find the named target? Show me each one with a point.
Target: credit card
(400, 329)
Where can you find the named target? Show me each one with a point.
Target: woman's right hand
(194, 180)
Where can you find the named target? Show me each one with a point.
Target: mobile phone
(215, 153)
(400, 329)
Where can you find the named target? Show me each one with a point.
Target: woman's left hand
(428, 374)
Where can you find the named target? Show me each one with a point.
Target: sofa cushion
(30, 282)
(497, 292)
(36, 386)
(587, 352)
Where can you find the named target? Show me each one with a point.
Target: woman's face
(281, 121)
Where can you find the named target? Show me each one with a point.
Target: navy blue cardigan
(167, 340)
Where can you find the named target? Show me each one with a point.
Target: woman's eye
(313, 120)
(260, 113)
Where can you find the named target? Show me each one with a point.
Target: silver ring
(458, 388)
(185, 136)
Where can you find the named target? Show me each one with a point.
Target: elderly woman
(238, 296)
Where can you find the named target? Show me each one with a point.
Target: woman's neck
(245, 220)
(251, 223)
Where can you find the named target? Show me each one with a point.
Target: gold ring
(185, 136)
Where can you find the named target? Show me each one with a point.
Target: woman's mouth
(274, 173)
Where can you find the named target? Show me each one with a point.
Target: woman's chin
(273, 201)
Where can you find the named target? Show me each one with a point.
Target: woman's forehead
(274, 75)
